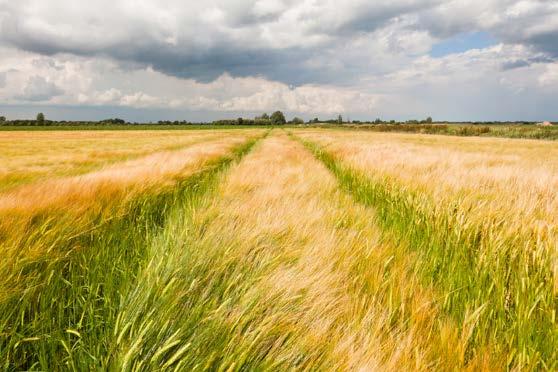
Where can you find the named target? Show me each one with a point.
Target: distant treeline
(243, 121)
(277, 118)
(45, 123)
(427, 122)
(492, 129)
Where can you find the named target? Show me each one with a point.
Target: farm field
(259, 249)
(527, 131)
(31, 155)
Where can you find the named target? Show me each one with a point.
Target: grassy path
(499, 287)
(278, 269)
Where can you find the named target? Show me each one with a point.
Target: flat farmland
(277, 249)
(31, 155)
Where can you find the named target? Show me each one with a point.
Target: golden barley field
(277, 249)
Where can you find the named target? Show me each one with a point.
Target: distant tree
(297, 120)
(340, 119)
(428, 120)
(378, 121)
(315, 120)
(277, 118)
(239, 121)
(40, 118)
(116, 121)
(2, 119)
(262, 120)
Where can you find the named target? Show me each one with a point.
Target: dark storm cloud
(271, 38)
(510, 65)
(547, 42)
(286, 65)
(243, 42)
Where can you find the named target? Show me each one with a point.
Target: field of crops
(258, 249)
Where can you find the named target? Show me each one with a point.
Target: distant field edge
(513, 131)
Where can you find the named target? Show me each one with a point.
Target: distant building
(545, 124)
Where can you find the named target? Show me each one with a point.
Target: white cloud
(38, 88)
(305, 56)
(70, 80)
(549, 78)
(473, 85)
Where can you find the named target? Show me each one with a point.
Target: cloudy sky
(200, 60)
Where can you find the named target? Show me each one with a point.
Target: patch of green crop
(498, 286)
(66, 316)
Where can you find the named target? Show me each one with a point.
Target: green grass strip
(66, 316)
(499, 292)
(461, 130)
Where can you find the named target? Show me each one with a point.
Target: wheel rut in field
(278, 268)
(89, 273)
(478, 274)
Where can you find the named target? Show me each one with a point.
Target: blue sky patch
(462, 43)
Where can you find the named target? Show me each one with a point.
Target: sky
(148, 60)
